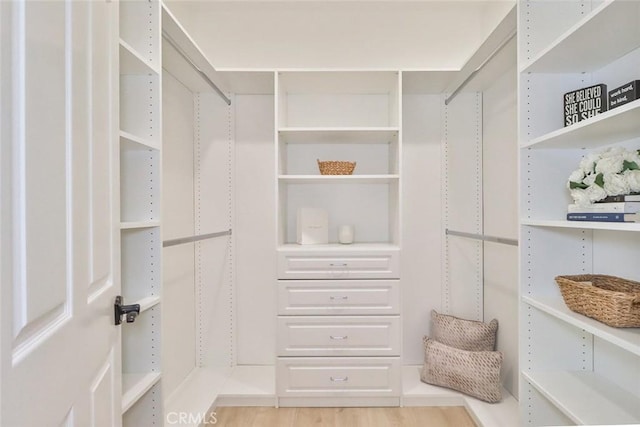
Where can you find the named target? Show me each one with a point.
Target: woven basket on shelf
(332, 167)
(608, 299)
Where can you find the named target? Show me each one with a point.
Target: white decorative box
(312, 226)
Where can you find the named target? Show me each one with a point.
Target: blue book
(603, 217)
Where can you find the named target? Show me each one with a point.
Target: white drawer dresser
(338, 326)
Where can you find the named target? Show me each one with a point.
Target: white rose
(633, 157)
(576, 176)
(580, 197)
(590, 179)
(588, 162)
(609, 165)
(613, 152)
(633, 180)
(595, 193)
(615, 184)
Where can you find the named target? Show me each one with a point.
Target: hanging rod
(480, 67)
(197, 238)
(206, 78)
(512, 242)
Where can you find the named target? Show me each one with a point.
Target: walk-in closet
(239, 159)
(175, 240)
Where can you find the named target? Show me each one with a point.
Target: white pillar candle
(345, 234)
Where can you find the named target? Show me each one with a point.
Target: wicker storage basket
(332, 167)
(608, 299)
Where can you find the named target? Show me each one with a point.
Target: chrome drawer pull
(343, 298)
(339, 379)
(337, 337)
(338, 265)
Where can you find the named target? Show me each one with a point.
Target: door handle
(129, 311)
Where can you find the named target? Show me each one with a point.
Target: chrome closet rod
(196, 238)
(206, 78)
(480, 67)
(503, 240)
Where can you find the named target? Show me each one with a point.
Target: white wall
(421, 220)
(178, 318)
(254, 229)
(462, 206)
(485, 196)
(214, 260)
(500, 181)
(198, 300)
(340, 34)
(480, 280)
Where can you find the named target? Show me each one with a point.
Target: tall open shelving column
(340, 116)
(140, 208)
(338, 333)
(575, 370)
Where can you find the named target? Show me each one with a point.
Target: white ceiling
(431, 34)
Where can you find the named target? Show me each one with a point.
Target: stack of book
(625, 208)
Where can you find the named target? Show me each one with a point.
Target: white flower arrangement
(616, 171)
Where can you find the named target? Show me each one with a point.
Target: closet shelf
(131, 225)
(134, 386)
(430, 82)
(626, 338)
(342, 179)
(136, 142)
(249, 383)
(417, 393)
(198, 392)
(613, 126)
(147, 302)
(245, 385)
(586, 398)
(339, 135)
(176, 65)
(609, 32)
(133, 63)
(494, 57)
(325, 82)
(339, 247)
(587, 225)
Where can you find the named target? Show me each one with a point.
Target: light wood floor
(450, 416)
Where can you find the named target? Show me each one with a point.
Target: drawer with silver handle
(338, 336)
(308, 264)
(342, 376)
(338, 297)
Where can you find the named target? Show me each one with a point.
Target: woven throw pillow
(476, 373)
(463, 334)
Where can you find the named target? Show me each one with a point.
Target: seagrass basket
(611, 300)
(334, 167)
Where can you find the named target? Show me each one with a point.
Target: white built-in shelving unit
(140, 209)
(351, 116)
(574, 370)
(328, 353)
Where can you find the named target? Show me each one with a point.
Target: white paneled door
(59, 254)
